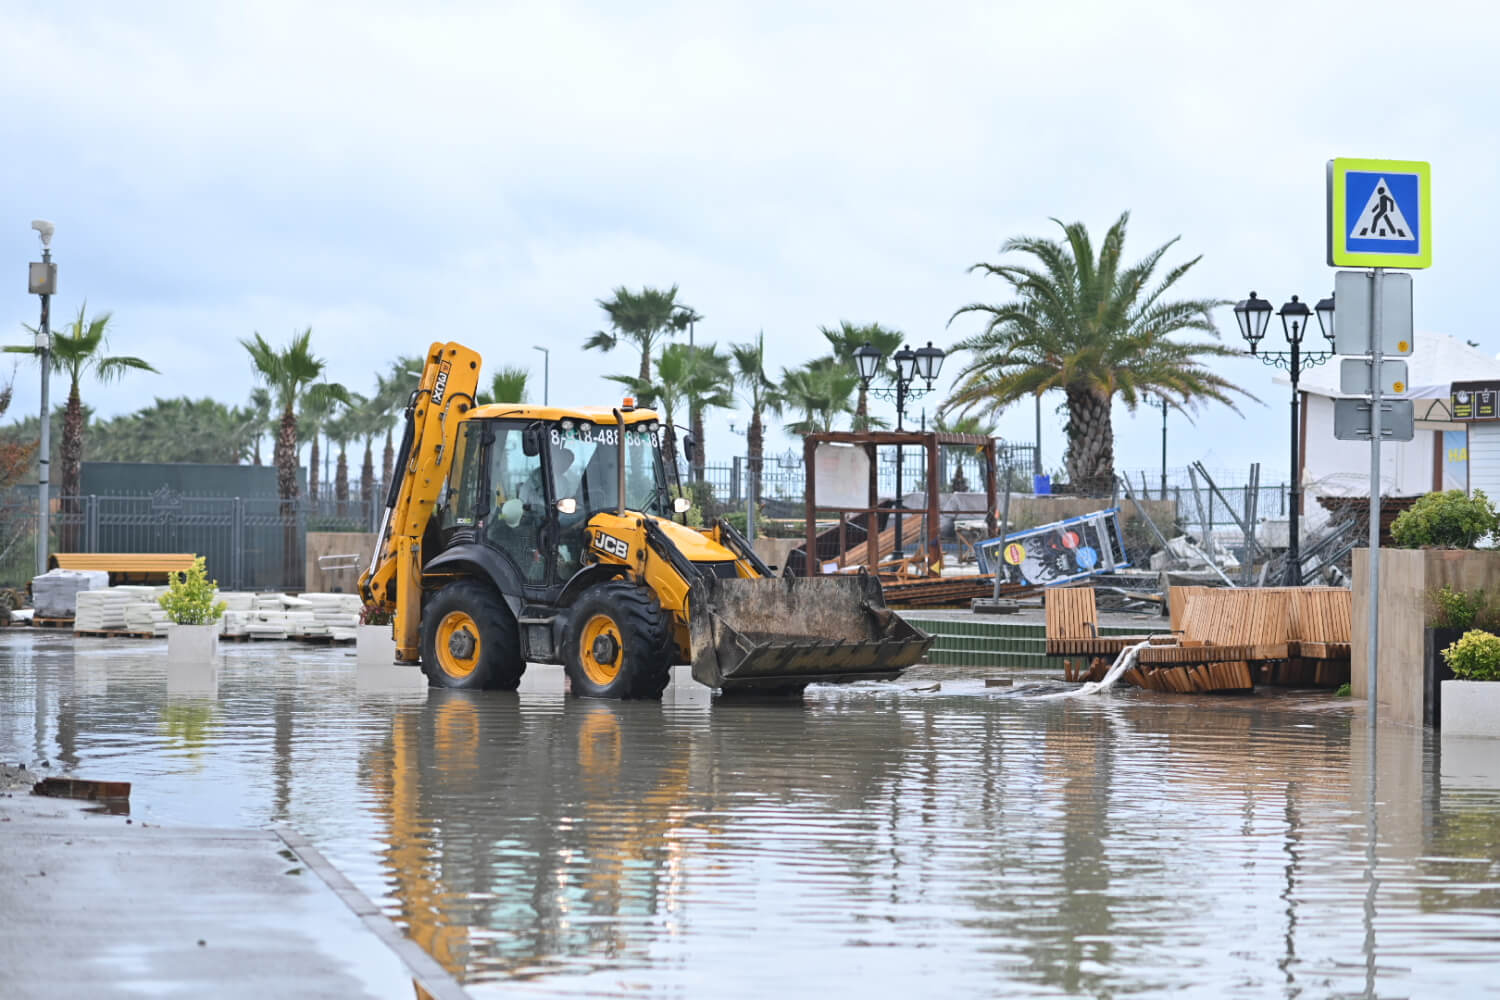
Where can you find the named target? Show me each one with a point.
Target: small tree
(1450, 520)
(189, 599)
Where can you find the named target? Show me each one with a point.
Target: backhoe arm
(393, 581)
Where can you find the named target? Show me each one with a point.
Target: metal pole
(546, 374)
(44, 459)
(1377, 288)
(752, 487)
(1164, 447)
(1036, 452)
(1293, 576)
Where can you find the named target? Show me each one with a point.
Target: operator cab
(513, 477)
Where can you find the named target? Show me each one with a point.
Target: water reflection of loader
(513, 830)
(524, 836)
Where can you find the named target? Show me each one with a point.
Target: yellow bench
(146, 568)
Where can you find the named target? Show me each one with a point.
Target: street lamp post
(43, 283)
(924, 363)
(1157, 398)
(546, 374)
(1253, 315)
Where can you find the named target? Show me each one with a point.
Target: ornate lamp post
(924, 363)
(43, 283)
(1253, 315)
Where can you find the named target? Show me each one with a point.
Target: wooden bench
(144, 568)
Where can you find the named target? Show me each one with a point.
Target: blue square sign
(1379, 213)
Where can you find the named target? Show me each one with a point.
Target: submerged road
(931, 837)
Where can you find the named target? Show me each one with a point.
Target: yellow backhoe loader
(518, 533)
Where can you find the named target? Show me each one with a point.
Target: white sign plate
(1354, 377)
(1351, 313)
(1351, 420)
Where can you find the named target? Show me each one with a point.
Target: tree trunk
(68, 536)
(286, 456)
(698, 459)
(257, 449)
(390, 459)
(862, 410)
(341, 482)
(367, 482)
(754, 447)
(312, 470)
(1091, 442)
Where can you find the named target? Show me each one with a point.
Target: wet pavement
(933, 837)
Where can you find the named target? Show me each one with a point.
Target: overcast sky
(391, 174)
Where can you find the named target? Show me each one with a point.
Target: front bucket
(787, 632)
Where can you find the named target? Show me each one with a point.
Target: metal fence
(248, 543)
(783, 477)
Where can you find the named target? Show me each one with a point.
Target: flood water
(892, 840)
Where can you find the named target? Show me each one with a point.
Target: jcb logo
(610, 545)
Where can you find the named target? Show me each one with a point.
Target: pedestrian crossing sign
(1379, 213)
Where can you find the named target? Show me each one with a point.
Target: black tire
(617, 644)
(470, 640)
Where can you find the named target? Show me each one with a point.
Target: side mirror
(531, 441)
(567, 505)
(690, 447)
(681, 505)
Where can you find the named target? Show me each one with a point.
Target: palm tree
(710, 387)
(759, 392)
(1094, 329)
(508, 385)
(393, 390)
(312, 420)
(848, 338)
(342, 429)
(679, 374)
(822, 390)
(642, 318)
(257, 417)
(78, 350)
(293, 375)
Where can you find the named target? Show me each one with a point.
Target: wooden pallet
(114, 633)
(39, 622)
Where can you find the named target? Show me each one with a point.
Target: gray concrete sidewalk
(101, 906)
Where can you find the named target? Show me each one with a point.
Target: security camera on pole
(43, 282)
(1379, 216)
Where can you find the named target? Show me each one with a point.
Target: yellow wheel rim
(458, 645)
(600, 649)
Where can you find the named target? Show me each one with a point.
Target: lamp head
(867, 359)
(1252, 315)
(44, 229)
(1294, 316)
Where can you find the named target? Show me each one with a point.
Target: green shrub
(1455, 608)
(1475, 656)
(1448, 520)
(1344, 690)
(189, 599)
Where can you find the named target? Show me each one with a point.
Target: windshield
(590, 471)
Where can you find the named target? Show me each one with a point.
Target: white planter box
(375, 646)
(193, 643)
(1471, 708)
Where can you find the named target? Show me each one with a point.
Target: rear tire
(617, 644)
(470, 640)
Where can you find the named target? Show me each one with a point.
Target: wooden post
(810, 479)
(872, 516)
(989, 487)
(934, 521)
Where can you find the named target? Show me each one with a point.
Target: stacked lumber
(1072, 618)
(947, 591)
(1225, 640)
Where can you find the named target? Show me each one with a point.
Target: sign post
(1379, 216)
